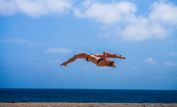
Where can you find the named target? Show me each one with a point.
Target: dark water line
(88, 95)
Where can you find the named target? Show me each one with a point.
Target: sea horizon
(94, 89)
(87, 95)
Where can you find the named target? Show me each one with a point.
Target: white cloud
(7, 7)
(164, 13)
(21, 41)
(171, 64)
(34, 7)
(119, 17)
(107, 13)
(143, 29)
(150, 60)
(158, 23)
(58, 50)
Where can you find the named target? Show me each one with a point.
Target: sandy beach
(86, 105)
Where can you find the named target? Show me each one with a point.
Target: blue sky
(37, 36)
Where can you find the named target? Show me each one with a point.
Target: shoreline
(41, 104)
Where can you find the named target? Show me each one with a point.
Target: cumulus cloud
(150, 60)
(164, 12)
(107, 13)
(143, 29)
(34, 7)
(59, 50)
(120, 17)
(158, 23)
(7, 7)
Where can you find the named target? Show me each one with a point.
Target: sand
(86, 105)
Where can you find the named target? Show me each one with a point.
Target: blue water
(86, 95)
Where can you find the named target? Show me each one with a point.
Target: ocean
(88, 95)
